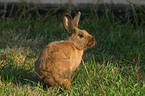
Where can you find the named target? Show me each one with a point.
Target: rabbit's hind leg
(49, 82)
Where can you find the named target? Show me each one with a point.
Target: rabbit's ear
(68, 23)
(77, 18)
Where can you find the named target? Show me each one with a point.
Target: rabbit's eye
(80, 35)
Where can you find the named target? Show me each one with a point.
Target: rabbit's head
(80, 38)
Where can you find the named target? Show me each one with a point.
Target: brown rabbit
(59, 59)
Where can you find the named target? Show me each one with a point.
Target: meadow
(115, 66)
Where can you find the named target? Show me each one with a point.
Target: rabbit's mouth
(91, 43)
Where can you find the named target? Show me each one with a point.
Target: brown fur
(59, 59)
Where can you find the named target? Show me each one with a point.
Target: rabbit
(59, 59)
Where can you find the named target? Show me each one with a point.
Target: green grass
(115, 66)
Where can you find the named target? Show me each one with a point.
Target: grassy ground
(115, 66)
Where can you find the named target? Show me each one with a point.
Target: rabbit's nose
(93, 39)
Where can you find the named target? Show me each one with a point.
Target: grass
(115, 66)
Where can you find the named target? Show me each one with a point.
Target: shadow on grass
(17, 75)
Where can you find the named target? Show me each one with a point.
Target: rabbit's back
(58, 58)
